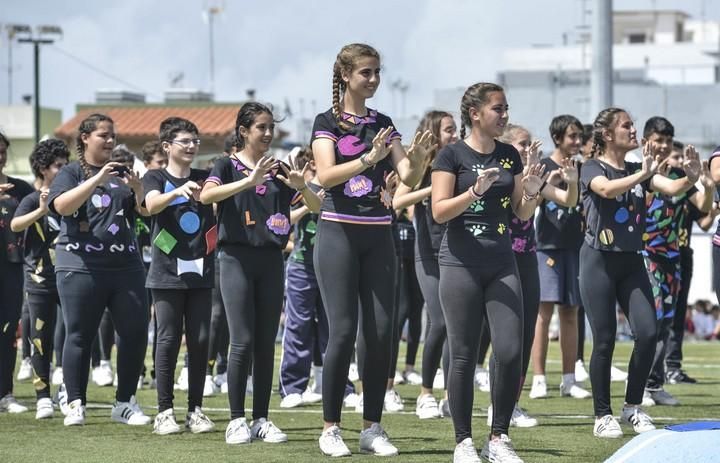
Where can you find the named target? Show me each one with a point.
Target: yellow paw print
(501, 228)
(505, 201)
(506, 163)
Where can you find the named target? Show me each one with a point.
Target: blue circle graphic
(622, 215)
(190, 222)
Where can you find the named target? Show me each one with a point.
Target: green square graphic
(165, 241)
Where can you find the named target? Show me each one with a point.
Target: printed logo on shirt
(350, 145)
(278, 224)
(506, 163)
(358, 186)
(477, 206)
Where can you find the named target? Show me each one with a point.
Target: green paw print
(477, 230)
(505, 201)
(501, 228)
(477, 168)
(506, 163)
(477, 206)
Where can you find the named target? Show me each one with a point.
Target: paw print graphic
(477, 230)
(501, 228)
(505, 201)
(506, 163)
(477, 206)
(477, 168)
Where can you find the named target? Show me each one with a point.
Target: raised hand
(44, 199)
(294, 177)
(705, 177)
(691, 164)
(5, 187)
(107, 172)
(485, 179)
(421, 147)
(262, 167)
(651, 163)
(132, 179)
(380, 148)
(187, 190)
(392, 181)
(569, 171)
(533, 179)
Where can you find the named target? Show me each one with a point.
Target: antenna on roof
(176, 79)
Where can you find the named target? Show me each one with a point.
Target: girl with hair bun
(356, 148)
(476, 183)
(612, 270)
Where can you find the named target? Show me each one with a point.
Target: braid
(87, 173)
(337, 87)
(462, 131)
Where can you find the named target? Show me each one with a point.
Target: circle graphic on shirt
(622, 215)
(350, 145)
(190, 222)
(631, 228)
(606, 237)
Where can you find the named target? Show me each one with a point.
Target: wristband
(527, 197)
(305, 187)
(364, 160)
(473, 193)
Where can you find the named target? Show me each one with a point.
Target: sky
(284, 49)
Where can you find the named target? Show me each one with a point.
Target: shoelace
(235, 427)
(640, 417)
(503, 447)
(335, 437)
(607, 422)
(428, 402)
(266, 428)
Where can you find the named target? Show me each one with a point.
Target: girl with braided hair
(98, 265)
(612, 269)
(356, 148)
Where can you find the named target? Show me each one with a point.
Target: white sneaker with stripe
(129, 413)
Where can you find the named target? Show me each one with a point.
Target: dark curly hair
(46, 153)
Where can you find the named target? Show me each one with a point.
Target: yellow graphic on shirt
(505, 201)
(38, 345)
(501, 228)
(39, 324)
(606, 237)
(506, 163)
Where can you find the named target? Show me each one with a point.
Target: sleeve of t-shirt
(386, 122)
(68, 178)
(152, 181)
(590, 170)
(220, 173)
(28, 204)
(324, 127)
(445, 161)
(23, 188)
(517, 166)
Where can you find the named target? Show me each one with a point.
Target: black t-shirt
(522, 234)
(184, 236)
(11, 244)
(481, 232)
(404, 237)
(259, 216)
(428, 232)
(690, 215)
(559, 227)
(39, 247)
(99, 236)
(615, 224)
(362, 199)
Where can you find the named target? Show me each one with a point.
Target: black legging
(607, 278)
(251, 283)
(674, 356)
(409, 303)
(581, 333)
(25, 330)
(469, 294)
(428, 276)
(105, 339)
(219, 334)
(59, 337)
(84, 297)
(351, 261)
(172, 308)
(11, 297)
(42, 309)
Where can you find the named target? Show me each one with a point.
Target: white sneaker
(393, 402)
(165, 423)
(581, 373)
(182, 381)
(637, 418)
(237, 432)
(103, 375)
(519, 418)
(310, 396)
(224, 388)
(439, 380)
(197, 422)
(11, 405)
(332, 444)
(62, 399)
(359, 406)
(209, 389)
(647, 400)
(482, 379)
(291, 400)
(399, 378)
(375, 440)
(75, 415)
(351, 400)
(574, 391)
(465, 452)
(26, 371)
(353, 373)
(500, 450)
(57, 377)
(427, 407)
(220, 379)
(617, 374)
(444, 407)
(539, 388)
(412, 377)
(44, 409)
(266, 431)
(129, 413)
(607, 427)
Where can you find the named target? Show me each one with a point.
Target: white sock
(538, 379)
(568, 379)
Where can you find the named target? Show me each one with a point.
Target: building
(17, 122)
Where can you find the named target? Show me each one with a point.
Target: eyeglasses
(186, 142)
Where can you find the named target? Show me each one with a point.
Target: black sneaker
(679, 377)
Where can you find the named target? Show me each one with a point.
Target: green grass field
(564, 434)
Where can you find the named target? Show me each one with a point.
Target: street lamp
(12, 31)
(38, 40)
